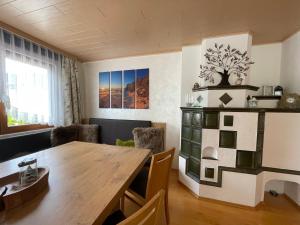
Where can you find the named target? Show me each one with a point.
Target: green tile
(186, 132)
(196, 135)
(210, 173)
(185, 148)
(228, 121)
(186, 118)
(211, 120)
(245, 159)
(227, 139)
(196, 151)
(193, 166)
(197, 119)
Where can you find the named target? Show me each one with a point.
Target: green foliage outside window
(13, 122)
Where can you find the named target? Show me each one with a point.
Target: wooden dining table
(86, 182)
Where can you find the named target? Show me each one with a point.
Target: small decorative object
(225, 98)
(225, 61)
(267, 90)
(198, 101)
(278, 91)
(196, 86)
(189, 99)
(252, 103)
(210, 152)
(13, 195)
(273, 193)
(28, 171)
(290, 101)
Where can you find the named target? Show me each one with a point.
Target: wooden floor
(186, 209)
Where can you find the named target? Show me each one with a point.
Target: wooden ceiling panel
(100, 29)
(44, 14)
(27, 6)
(3, 2)
(9, 12)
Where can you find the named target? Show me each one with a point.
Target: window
(31, 85)
(28, 93)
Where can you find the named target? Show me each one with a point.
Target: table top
(86, 182)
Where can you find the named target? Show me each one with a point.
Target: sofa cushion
(88, 133)
(150, 137)
(63, 135)
(27, 143)
(128, 143)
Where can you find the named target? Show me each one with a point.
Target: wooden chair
(158, 179)
(152, 213)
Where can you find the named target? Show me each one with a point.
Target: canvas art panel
(116, 89)
(142, 89)
(129, 89)
(104, 90)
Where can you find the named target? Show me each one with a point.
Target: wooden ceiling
(101, 29)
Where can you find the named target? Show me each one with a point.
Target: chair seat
(139, 184)
(114, 218)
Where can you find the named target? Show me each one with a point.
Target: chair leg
(167, 216)
(122, 203)
(167, 210)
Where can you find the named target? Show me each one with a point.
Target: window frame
(5, 129)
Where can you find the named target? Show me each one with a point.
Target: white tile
(210, 164)
(227, 157)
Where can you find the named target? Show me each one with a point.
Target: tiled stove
(222, 151)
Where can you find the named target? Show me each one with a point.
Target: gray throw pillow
(63, 135)
(88, 133)
(150, 137)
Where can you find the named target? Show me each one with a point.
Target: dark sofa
(110, 130)
(27, 143)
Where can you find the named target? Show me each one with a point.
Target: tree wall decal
(224, 61)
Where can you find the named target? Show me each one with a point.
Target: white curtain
(31, 85)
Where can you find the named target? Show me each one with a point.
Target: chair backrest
(158, 178)
(152, 213)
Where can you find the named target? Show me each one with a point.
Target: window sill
(22, 128)
(18, 134)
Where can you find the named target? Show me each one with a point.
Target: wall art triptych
(128, 89)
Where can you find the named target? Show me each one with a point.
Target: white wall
(191, 56)
(266, 69)
(281, 141)
(165, 92)
(243, 42)
(290, 64)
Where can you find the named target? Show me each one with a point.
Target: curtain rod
(34, 39)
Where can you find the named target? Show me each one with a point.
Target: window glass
(28, 93)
